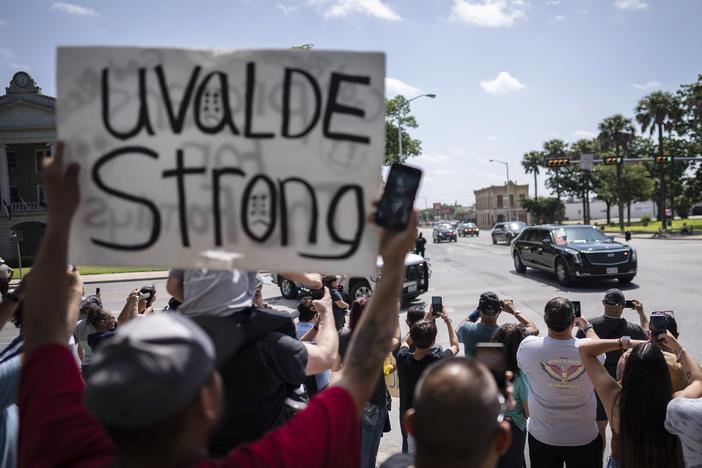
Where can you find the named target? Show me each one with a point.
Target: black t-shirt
(339, 313)
(614, 328)
(419, 244)
(400, 460)
(256, 384)
(410, 370)
(380, 390)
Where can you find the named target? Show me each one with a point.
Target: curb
(118, 277)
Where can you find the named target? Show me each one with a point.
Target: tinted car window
(527, 235)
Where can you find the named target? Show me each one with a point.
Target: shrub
(645, 220)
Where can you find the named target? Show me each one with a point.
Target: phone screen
(576, 308)
(494, 357)
(396, 204)
(436, 305)
(629, 305)
(658, 324)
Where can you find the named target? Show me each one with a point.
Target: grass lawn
(97, 270)
(694, 223)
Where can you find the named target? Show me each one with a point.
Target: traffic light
(558, 162)
(610, 161)
(664, 159)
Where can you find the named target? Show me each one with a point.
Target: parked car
(468, 229)
(416, 282)
(444, 233)
(573, 252)
(505, 232)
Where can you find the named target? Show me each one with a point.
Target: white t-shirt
(684, 419)
(83, 330)
(215, 293)
(562, 405)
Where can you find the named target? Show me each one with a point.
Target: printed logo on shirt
(564, 372)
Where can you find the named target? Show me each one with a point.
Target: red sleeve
(327, 433)
(55, 427)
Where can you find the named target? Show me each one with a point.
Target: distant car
(505, 232)
(444, 233)
(416, 282)
(573, 252)
(468, 229)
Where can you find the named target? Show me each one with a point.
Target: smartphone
(494, 357)
(395, 207)
(437, 305)
(658, 324)
(143, 296)
(576, 308)
(629, 305)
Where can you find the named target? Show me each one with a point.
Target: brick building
(493, 206)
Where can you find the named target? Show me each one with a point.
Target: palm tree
(659, 110)
(532, 162)
(616, 132)
(555, 149)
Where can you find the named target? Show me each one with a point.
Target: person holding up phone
(611, 325)
(470, 333)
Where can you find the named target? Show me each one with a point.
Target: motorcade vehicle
(506, 231)
(445, 232)
(574, 252)
(468, 229)
(416, 281)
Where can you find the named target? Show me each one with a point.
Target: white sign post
(268, 158)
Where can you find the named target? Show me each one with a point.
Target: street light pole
(399, 124)
(509, 204)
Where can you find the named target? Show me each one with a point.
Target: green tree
(659, 111)
(532, 162)
(616, 132)
(398, 106)
(605, 187)
(637, 185)
(555, 149)
(545, 210)
(583, 180)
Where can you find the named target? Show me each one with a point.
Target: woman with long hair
(635, 407)
(511, 336)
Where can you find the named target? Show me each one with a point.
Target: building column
(4, 176)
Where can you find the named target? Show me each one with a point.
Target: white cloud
(630, 4)
(553, 2)
(649, 86)
(9, 61)
(73, 9)
(393, 87)
(583, 134)
(503, 84)
(559, 18)
(287, 9)
(488, 13)
(493, 138)
(343, 8)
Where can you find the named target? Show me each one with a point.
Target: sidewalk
(118, 277)
(649, 235)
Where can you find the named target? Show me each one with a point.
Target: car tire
(625, 279)
(562, 273)
(519, 266)
(288, 289)
(494, 241)
(360, 288)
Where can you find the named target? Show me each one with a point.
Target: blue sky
(508, 74)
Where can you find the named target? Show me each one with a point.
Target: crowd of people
(220, 378)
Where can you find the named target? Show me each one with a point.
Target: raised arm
(131, 308)
(50, 314)
(509, 307)
(322, 354)
(311, 280)
(643, 318)
(373, 337)
(690, 367)
(453, 339)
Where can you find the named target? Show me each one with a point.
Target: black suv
(573, 252)
(506, 231)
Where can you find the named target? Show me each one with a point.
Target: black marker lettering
(312, 236)
(216, 209)
(250, 91)
(179, 173)
(245, 208)
(226, 110)
(287, 83)
(143, 121)
(177, 121)
(333, 106)
(156, 227)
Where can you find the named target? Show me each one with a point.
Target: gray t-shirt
(215, 293)
(684, 419)
(471, 334)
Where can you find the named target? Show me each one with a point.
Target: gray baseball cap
(614, 297)
(150, 369)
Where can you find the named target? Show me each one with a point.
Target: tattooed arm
(373, 338)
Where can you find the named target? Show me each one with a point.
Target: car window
(527, 235)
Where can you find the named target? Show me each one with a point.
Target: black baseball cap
(489, 303)
(614, 297)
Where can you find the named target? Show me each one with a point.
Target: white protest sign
(271, 158)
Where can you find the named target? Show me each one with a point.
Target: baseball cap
(614, 297)
(150, 369)
(489, 303)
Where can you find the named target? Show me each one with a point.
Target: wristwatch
(625, 342)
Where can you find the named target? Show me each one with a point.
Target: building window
(522, 196)
(40, 194)
(39, 156)
(14, 195)
(511, 200)
(11, 166)
(500, 202)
